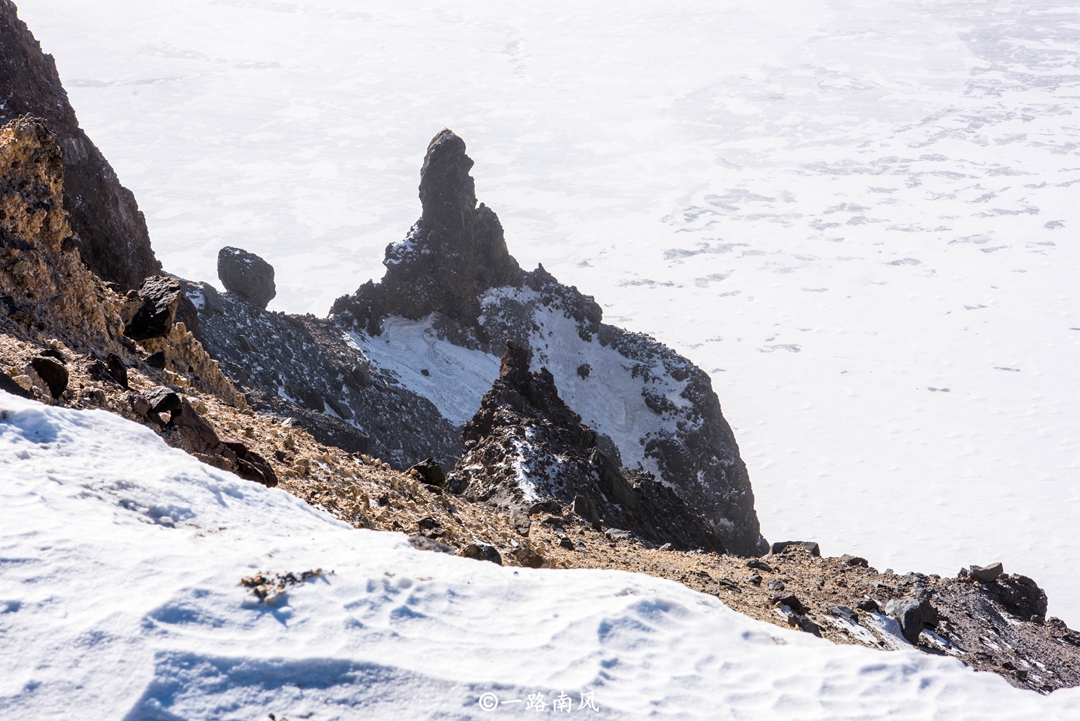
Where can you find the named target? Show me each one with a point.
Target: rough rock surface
(454, 267)
(302, 367)
(107, 228)
(246, 274)
(526, 448)
(159, 298)
(49, 297)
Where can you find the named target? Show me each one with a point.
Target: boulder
(9, 385)
(250, 465)
(912, 614)
(53, 373)
(790, 600)
(158, 298)
(246, 274)
(428, 471)
(986, 574)
(481, 552)
(116, 369)
(810, 547)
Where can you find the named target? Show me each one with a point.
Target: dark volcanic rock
(989, 574)
(250, 465)
(9, 385)
(454, 270)
(913, 614)
(810, 547)
(481, 552)
(293, 365)
(526, 446)
(430, 472)
(111, 231)
(453, 253)
(53, 373)
(247, 274)
(159, 298)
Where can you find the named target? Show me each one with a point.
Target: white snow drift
(119, 598)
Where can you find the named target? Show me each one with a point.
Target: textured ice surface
(119, 598)
(859, 217)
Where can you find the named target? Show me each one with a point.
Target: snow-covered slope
(119, 598)
(860, 218)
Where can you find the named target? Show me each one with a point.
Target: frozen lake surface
(860, 217)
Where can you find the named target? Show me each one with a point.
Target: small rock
(845, 613)
(584, 507)
(790, 600)
(247, 275)
(776, 586)
(665, 547)
(869, 605)
(548, 506)
(618, 533)
(9, 385)
(527, 556)
(728, 583)
(985, 574)
(53, 373)
(810, 547)
(759, 565)
(584, 369)
(429, 471)
(159, 298)
(521, 523)
(117, 370)
(423, 543)
(250, 465)
(481, 552)
(850, 560)
(807, 626)
(156, 360)
(430, 527)
(754, 578)
(425, 372)
(913, 614)
(566, 543)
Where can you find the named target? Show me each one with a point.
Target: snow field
(119, 599)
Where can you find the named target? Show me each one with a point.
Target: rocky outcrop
(653, 410)
(305, 368)
(107, 228)
(48, 296)
(450, 257)
(247, 275)
(526, 449)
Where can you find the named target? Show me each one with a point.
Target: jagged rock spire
(453, 253)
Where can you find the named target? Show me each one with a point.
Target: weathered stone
(250, 465)
(116, 369)
(423, 543)
(986, 574)
(527, 556)
(776, 585)
(790, 600)
(481, 552)
(810, 547)
(854, 561)
(53, 373)
(163, 400)
(429, 471)
(430, 527)
(845, 613)
(759, 565)
(584, 369)
(107, 228)
(156, 360)
(158, 297)
(912, 614)
(9, 385)
(247, 275)
(585, 508)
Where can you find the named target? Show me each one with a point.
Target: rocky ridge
(68, 338)
(108, 230)
(454, 271)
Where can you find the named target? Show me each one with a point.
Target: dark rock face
(810, 547)
(159, 297)
(453, 253)
(454, 267)
(53, 373)
(913, 614)
(430, 472)
(111, 231)
(246, 274)
(301, 366)
(525, 448)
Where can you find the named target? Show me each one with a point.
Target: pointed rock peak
(446, 188)
(515, 364)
